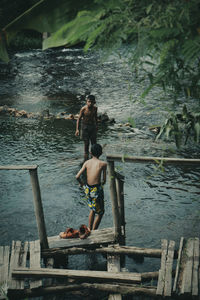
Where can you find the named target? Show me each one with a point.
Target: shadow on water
(158, 203)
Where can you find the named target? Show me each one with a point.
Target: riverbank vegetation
(164, 41)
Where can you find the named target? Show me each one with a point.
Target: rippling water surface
(158, 204)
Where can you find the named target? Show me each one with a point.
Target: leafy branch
(185, 124)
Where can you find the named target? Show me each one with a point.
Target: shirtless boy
(88, 118)
(95, 169)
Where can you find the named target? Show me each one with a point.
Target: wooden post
(113, 193)
(38, 209)
(120, 198)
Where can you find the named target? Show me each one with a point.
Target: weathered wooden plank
(195, 273)
(97, 237)
(105, 287)
(178, 264)
(14, 263)
(4, 269)
(23, 255)
(18, 167)
(113, 265)
(4, 263)
(168, 269)
(35, 261)
(186, 286)
(18, 259)
(77, 274)
(147, 252)
(161, 276)
(22, 261)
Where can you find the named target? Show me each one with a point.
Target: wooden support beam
(77, 274)
(38, 209)
(113, 194)
(107, 288)
(19, 167)
(119, 180)
(135, 251)
(143, 159)
(113, 265)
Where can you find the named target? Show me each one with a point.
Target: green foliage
(27, 40)
(186, 124)
(163, 35)
(77, 30)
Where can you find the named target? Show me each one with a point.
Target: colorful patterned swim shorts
(95, 197)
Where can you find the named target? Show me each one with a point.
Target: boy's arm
(79, 174)
(104, 173)
(95, 118)
(78, 122)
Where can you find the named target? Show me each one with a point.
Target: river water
(158, 203)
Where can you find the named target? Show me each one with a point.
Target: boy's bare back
(95, 168)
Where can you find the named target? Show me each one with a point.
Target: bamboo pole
(38, 209)
(143, 159)
(120, 198)
(113, 194)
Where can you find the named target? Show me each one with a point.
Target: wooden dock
(25, 266)
(38, 268)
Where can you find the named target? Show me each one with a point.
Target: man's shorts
(88, 132)
(95, 197)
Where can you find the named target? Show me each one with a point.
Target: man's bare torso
(88, 115)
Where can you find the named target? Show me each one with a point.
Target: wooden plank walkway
(187, 282)
(164, 287)
(22, 272)
(98, 237)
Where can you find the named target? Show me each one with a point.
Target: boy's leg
(91, 219)
(86, 150)
(93, 139)
(97, 221)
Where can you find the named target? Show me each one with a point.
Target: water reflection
(158, 204)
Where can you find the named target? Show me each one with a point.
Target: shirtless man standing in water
(88, 118)
(95, 169)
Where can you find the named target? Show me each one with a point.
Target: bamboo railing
(37, 200)
(117, 184)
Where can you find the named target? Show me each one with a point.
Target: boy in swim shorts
(88, 119)
(95, 169)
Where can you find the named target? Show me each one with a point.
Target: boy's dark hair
(96, 150)
(91, 98)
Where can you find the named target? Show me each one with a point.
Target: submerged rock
(45, 114)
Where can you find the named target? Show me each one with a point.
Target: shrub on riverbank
(27, 39)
